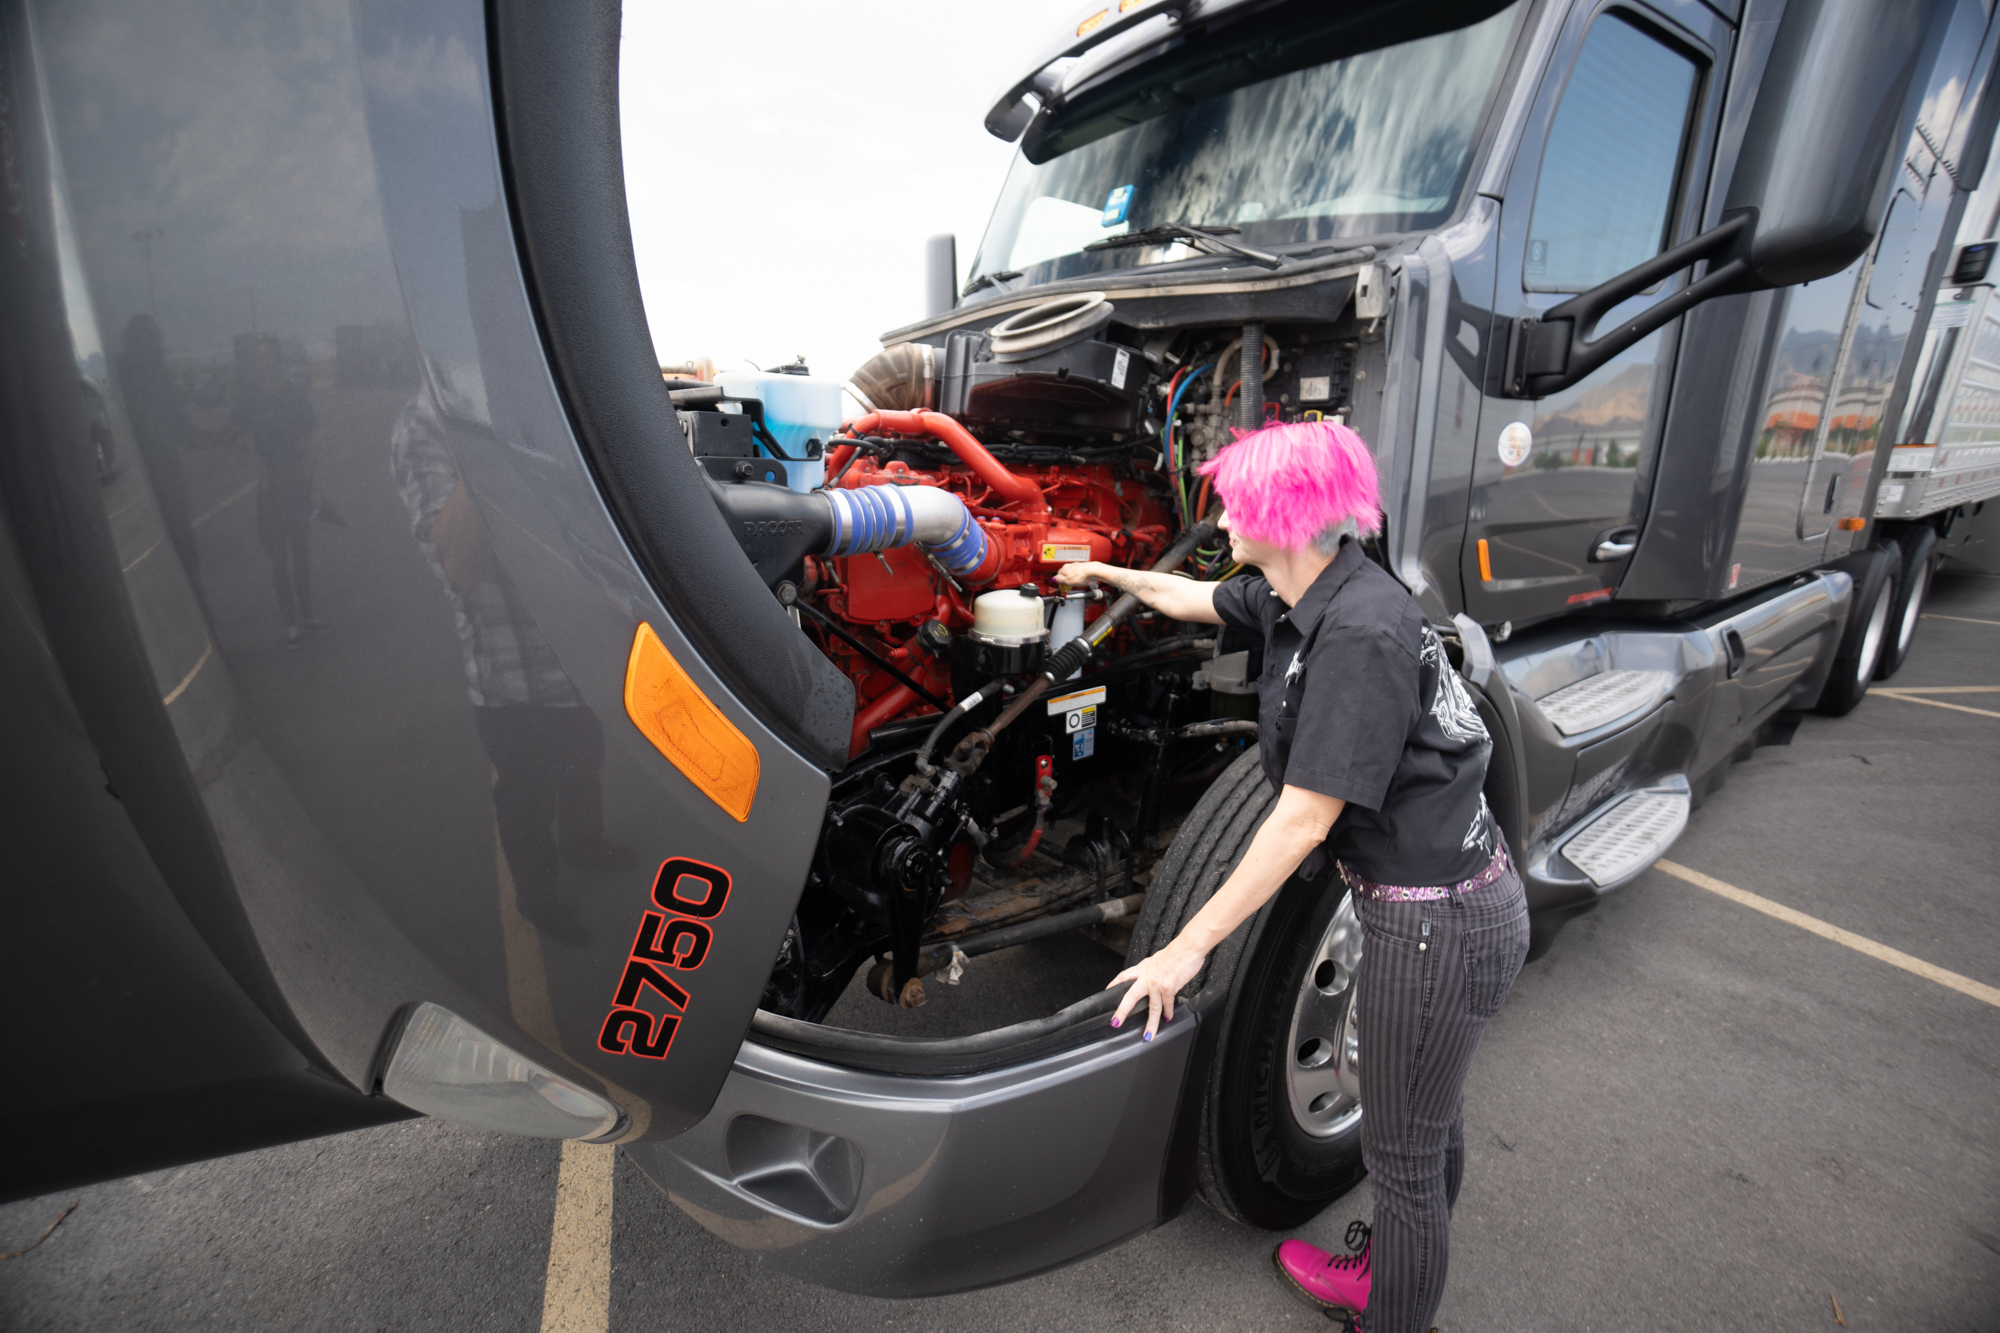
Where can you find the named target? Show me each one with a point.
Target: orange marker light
(1485, 563)
(671, 711)
(1127, 6)
(1853, 524)
(1093, 23)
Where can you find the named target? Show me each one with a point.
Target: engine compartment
(1019, 757)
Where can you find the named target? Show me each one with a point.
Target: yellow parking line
(188, 679)
(1859, 943)
(576, 1293)
(1910, 697)
(532, 537)
(1963, 620)
(142, 555)
(1941, 689)
(247, 488)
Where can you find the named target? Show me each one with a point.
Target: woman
(1379, 757)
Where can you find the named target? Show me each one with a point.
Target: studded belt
(1426, 893)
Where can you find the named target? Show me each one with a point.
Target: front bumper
(890, 1184)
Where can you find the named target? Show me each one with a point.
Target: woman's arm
(1298, 823)
(1178, 598)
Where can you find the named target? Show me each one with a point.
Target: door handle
(1615, 544)
(1734, 652)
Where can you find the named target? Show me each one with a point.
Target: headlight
(444, 1066)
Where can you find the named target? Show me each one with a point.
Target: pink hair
(1288, 483)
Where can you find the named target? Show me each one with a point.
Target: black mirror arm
(1551, 353)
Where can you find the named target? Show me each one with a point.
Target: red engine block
(1084, 513)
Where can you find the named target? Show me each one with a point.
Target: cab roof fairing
(1149, 28)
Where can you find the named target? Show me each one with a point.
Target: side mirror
(1833, 112)
(940, 275)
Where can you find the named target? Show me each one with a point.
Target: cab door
(1604, 178)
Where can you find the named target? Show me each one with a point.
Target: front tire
(1280, 1134)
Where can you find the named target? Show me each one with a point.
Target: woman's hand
(1299, 822)
(1174, 596)
(1157, 980)
(1078, 573)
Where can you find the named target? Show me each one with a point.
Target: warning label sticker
(1062, 703)
(1061, 553)
(1083, 744)
(1080, 719)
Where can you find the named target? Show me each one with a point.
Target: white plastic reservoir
(797, 408)
(1068, 624)
(1007, 618)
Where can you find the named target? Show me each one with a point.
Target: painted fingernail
(1116, 1021)
(1149, 1036)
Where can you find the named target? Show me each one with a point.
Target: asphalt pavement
(1691, 1114)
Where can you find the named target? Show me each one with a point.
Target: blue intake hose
(877, 518)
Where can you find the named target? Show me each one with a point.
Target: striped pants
(1432, 974)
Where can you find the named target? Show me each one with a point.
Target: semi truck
(603, 773)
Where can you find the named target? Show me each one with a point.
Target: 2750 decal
(676, 938)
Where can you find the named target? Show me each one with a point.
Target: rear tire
(1279, 1139)
(1867, 630)
(1913, 585)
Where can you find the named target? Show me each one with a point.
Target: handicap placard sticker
(1083, 744)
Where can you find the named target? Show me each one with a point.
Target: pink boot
(1330, 1283)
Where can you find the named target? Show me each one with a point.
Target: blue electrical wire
(1173, 406)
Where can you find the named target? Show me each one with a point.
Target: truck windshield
(1378, 142)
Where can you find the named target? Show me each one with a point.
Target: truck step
(1629, 836)
(1605, 697)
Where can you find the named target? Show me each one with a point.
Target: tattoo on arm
(1138, 582)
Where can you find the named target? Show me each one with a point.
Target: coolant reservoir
(797, 408)
(1007, 618)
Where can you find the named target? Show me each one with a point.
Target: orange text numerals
(689, 894)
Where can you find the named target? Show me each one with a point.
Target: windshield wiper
(985, 280)
(1207, 239)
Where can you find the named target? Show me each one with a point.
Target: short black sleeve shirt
(1358, 701)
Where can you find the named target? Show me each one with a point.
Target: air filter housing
(1086, 387)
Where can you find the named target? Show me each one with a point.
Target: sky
(784, 163)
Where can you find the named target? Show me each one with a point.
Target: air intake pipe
(778, 527)
(876, 518)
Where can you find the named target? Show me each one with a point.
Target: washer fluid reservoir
(798, 408)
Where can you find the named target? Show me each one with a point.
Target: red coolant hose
(876, 712)
(941, 427)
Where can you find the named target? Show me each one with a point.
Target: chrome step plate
(1604, 697)
(1628, 837)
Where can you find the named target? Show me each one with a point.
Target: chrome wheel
(1913, 607)
(1871, 639)
(1323, 1064)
